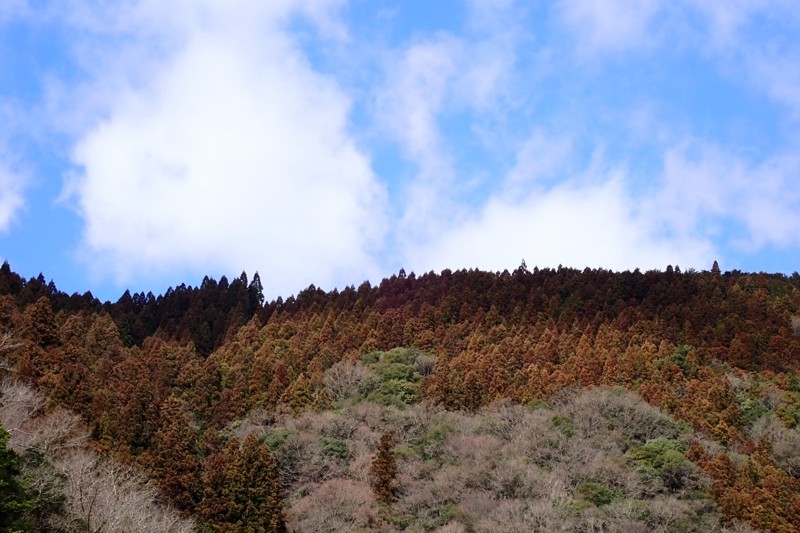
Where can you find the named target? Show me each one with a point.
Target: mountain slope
(718, 351)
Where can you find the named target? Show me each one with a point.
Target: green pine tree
(13, 498)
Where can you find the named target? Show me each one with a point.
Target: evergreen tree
(39, 325)
(384, 469)
(255, 293)
(300, 395)
(174, 460)
(243, 489)
(13, 499)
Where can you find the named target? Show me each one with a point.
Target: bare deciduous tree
(336, 505)
(425, 364)
(343, 378)
(19, 406)
(103, 494)
(7, 343)
(110, 497)
(785, 442)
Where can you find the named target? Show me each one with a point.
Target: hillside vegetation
(462, 401)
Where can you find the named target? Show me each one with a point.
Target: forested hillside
(548, 399)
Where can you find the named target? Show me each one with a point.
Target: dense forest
(532, 400)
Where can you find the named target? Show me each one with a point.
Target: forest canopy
(692, 375)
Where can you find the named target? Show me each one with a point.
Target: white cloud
(735, 35)
(11, 9)
(571, 225)
(541, 157)
(731, 33)
(414, 95)
(234, 154)
(707, 199)
(609, 25)
(14, 174)
(552, 211)
(728, 23)
(409, 106)
(12, 185)
(153, 18)
(705, 187)
(491, 55)
(725, 19)
(207, 139)
(432, 82)
(777, 73)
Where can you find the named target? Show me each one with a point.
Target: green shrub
(276, 438)
(653, 451)
(371, 358)
(332, 447)
(597, 493)
(429, 445)
(680, 357)
(789, 410)
(537, 404)
(564, 424)
(399, 372)
(752, 408)
(395, 379)
(394, 392)
(445, 515)
(401, 356)
(664, 459)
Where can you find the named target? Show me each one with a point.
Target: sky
(148, 143)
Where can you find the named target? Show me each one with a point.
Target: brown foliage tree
(243, 489)
(174, 458)
(383, 469)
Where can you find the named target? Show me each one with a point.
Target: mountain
(655, 399)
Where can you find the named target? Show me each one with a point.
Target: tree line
(161, 380)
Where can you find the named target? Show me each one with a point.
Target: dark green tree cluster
(14, 501)
(204, 315)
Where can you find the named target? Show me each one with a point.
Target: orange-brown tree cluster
(158, 377)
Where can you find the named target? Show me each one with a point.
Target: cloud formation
(590, 226)
(609, 25)
(13, 8)
(233, 154)
(705, 188)
(697, 198)
(590, 219)
(12, 185)
(327, 141)
(428, 84)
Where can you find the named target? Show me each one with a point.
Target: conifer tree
(243, 489)
(300, 395)
(13, 500)
(173, 456)
(39, 325)
(384, 469)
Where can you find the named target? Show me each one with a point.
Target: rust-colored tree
(383, 470)
(173, 457)
(243, 489)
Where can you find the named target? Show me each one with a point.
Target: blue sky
(146, 143)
